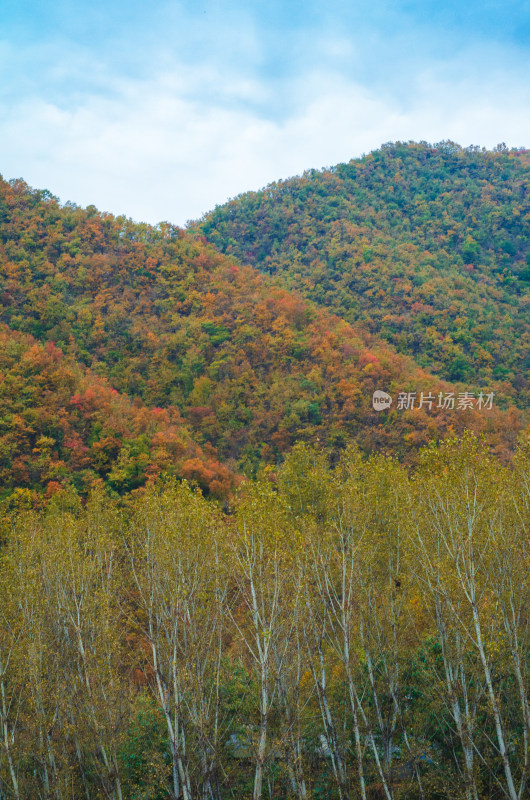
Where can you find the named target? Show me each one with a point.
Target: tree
(178, 570)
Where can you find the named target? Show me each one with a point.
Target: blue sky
(162, 109)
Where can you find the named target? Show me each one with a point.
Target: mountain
(344, 625)
(427, 246)
(59, 423)
(131, 350)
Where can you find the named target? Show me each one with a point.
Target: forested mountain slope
(428, 246)
(59, 423)
(172, 324)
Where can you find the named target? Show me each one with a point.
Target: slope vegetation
(61, 424)
(426, 245)
(243, 367)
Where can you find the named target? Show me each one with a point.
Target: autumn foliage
(139, 349)
(349, 630)
(425, 245)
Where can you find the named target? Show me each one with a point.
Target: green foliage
(144, 758)
(425, 244)
(153, 352)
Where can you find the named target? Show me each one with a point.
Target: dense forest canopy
(225, 574)
(236, 367)
(426, 245)
(61, 424)
(346, 632)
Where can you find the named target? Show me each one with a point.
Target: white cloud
(174, 145)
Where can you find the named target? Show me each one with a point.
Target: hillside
(59, 423)
(130, 352)
(188, 338)
(426, 246)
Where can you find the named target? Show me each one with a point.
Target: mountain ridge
(426, 245)
(241, 367)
